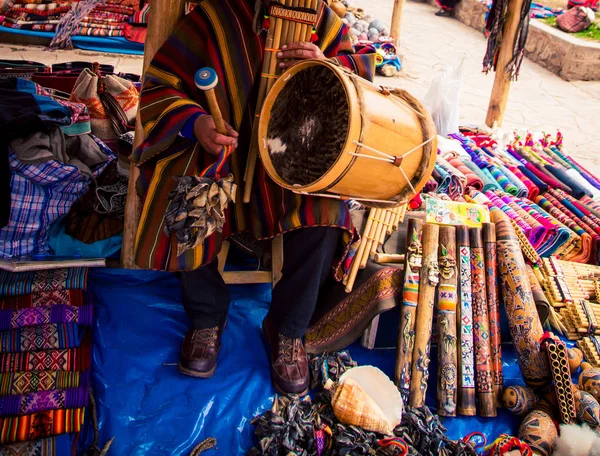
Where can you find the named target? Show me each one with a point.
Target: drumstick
(361, 248)
(428, 280)
(206, 79)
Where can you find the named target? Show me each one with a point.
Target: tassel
(314, 37)
(266, 23)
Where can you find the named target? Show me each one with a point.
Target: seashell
(350, 18)
(362, 25)
(588, 409)
(367, 398)
(575, 356)
(377, 24)
(589, 380)
(373, 31)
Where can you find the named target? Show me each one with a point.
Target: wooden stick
(361, 249)
(387, 220)
(428, 280)
(446, 323)
(466, 379)
(493, 300)
(162, 22)
(501, 88)
(389, 258)
(481, 323)
(408, 313)
(371, 237)
(396, 27)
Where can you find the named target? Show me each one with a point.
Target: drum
(328, 132)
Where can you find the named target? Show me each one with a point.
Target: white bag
(443, 98)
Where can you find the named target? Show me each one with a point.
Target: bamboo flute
(295, 37)
(384, 231)
(273, 64)
(285, 30)
(389, 258)
(361, 249)
(466, 379)
(408, 312)
(493, 301)
(481, 336)
(390, 227)
(428, 280)
(372, 237)
(446, 322)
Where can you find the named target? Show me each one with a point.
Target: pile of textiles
(551, 198)
(106, 18)
(45, 346)
(539, 11)
(51, 159)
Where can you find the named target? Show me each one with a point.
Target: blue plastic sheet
(151, 409)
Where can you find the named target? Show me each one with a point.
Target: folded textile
(34, 27)
(41, 337)
(502, 180)
(69, 297)
(521, 187)
(60, 313)
(141, 17)
(472, 179)
(40, 425)
(71, 359)
(14, 383)
(64, 444)
(577, 177)
(51, 280)
(94, 31)
(538, 231)
(532, 189)
(577, 190)
(44, 400)
(135, 34)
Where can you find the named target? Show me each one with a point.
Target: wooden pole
(501, 87)
(163, 19)
(397, 21)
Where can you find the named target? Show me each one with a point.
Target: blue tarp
(109, 44)
(151, 409)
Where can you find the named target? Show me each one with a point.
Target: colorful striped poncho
(221, 34)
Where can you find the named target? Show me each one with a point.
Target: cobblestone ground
(539, 100)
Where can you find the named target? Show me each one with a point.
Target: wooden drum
(328, 132)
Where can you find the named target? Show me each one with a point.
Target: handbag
(575, 20)
(112, 102)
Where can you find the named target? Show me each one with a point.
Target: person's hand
(291, 54)
(210, 139)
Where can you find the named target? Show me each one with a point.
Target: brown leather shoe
(289, 363)
(200, 351)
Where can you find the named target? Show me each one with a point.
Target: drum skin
(392, 123)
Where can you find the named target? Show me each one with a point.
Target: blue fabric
(90, 43)
(151, 409)
(188, 129)
(64, 245)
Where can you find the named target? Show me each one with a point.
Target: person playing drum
(229, 36)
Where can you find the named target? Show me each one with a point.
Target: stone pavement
(539, 100)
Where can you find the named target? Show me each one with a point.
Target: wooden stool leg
(277, 258)
(222, 257)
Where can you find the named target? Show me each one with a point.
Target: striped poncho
(221, 34)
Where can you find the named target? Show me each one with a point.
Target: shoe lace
(207, 336)
(289, 348)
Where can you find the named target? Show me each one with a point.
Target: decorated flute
(493, 300)
(466, 378)
(446, 323)
(481, 336)
(408, 313)
(428, 281)
(524, 322)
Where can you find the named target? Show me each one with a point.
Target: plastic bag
(443, 98)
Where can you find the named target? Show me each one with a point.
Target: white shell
(367, 398)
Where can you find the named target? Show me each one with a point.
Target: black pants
(308, 254)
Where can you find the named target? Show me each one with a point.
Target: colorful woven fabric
(41, 337)
(40, 425)
(75, 298)
(51, 280)
(472, 179)
(72, 359)
(63, 445)
(141, 17)
(532, 190)
(231, 46)
(60, 313)
(15, 383)
(502, 180)
(44, 400)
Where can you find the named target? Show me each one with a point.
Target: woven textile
(41, 337)
(72, 359)
(14, 383)
(40, 425)
(75, 298)
(32, 282)
(43, 400)
(63, 445)
(60, 313)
